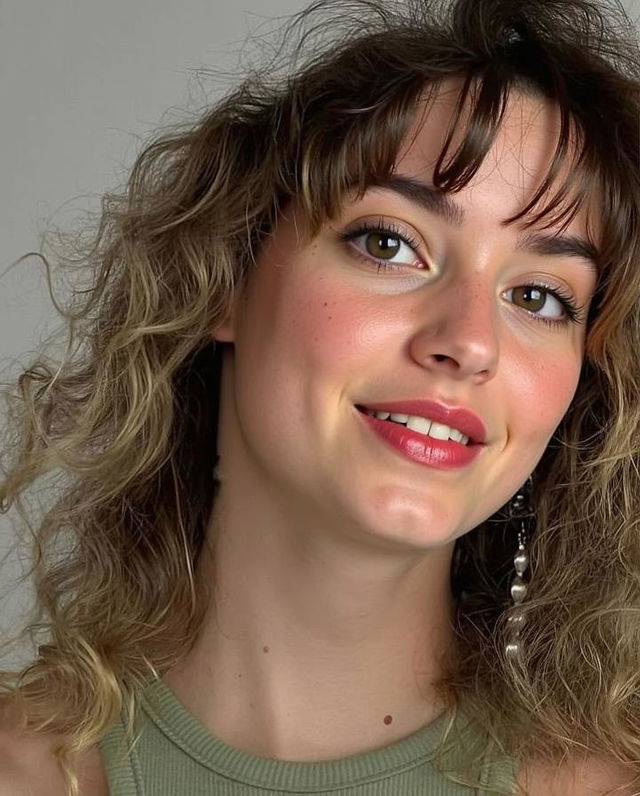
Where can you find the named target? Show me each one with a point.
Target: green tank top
(174, 755)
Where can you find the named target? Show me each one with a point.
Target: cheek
(299, 348)
(330, 326)
(543, 391)
(302, 338)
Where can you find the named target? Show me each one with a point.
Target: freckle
(330, 317)
(265, 649)
(325, 303)
(388, 719)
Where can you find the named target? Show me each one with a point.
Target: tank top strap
(120, 761)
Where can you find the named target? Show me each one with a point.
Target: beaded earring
(520, 512)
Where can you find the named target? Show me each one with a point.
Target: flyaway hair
(125, 424)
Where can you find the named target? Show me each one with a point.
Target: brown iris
(382, 246)
(533, 297)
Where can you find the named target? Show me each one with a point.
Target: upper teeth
(423, 426)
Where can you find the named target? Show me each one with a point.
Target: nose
(458, 335)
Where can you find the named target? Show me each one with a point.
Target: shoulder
(28, 766)
(594, 777)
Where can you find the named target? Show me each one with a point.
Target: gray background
(82, 83)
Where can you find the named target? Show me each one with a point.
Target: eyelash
(573, 310)
(575, 313)
(386, 228)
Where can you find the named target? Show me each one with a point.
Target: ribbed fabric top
(174, 754)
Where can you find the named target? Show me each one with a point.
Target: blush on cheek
(330, 327)
(546, 392)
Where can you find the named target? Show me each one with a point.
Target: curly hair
(129, 416)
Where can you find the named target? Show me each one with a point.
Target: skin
(330, 553)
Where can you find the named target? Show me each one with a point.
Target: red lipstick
(455, 417)
(441, 454)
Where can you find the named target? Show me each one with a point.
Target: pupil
(382, 245)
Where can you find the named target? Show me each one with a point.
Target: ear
(225, 331)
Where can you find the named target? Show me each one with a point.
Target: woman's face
(400, 298)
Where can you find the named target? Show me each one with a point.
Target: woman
(274, 586)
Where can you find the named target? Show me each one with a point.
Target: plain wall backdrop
(82, 84)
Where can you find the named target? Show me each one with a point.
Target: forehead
(516, 164)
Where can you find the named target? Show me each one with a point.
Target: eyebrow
(441, 204)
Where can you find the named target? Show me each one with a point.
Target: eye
(386, 246)
(547, 304)
(383, 246)
(538, 300)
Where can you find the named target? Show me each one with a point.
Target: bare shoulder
(28, 766)
(593, 777)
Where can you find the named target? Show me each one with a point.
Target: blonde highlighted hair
(129, 417)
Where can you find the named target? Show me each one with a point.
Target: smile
(441, 453)
(422, 425)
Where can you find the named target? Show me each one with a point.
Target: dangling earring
(521, 512)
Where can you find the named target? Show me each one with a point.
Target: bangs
(344, 156)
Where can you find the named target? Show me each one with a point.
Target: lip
(456, 417)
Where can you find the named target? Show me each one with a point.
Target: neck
(314, 647)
